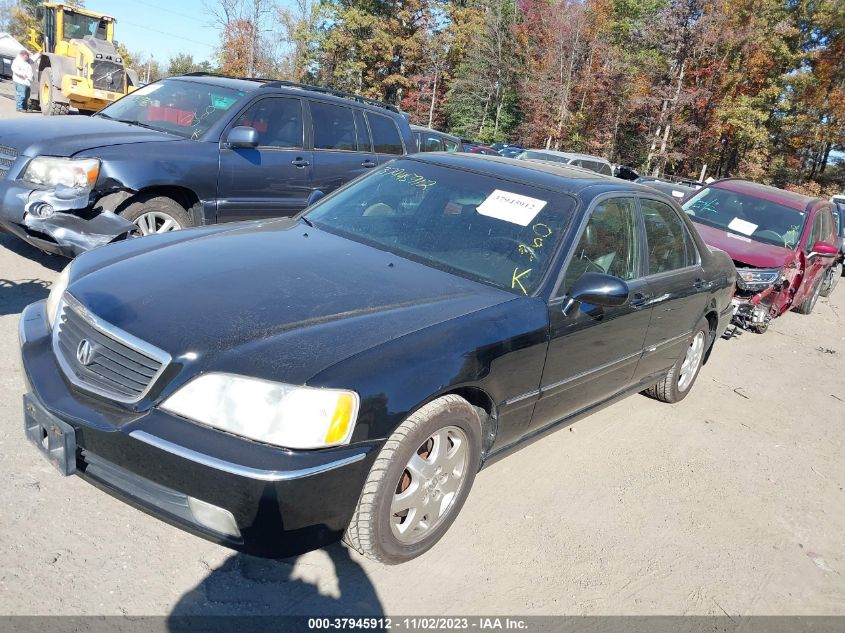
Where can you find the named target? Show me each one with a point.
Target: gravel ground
(730, 502)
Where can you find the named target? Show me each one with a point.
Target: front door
(815, 266)
(677, 285)
(593, 351)
(273, 179)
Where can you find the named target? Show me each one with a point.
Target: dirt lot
(732, 501)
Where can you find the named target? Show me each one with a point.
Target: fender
(60, 65)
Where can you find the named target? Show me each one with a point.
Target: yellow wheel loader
(77, 64)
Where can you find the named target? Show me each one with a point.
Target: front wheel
(831, 278)
(678, 381)
(806, 306)
(418, 483)
(157, 214)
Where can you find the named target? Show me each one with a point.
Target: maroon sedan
(782, 244)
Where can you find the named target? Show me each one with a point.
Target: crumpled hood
(275, 299)
(743, 249)
(69, 135)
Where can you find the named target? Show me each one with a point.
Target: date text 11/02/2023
(428, 623)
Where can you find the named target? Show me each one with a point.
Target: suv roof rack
(281, 83)
(331, 91)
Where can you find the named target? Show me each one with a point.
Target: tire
(678, 381)
(806, 306)
(47, 96)
(157, 214)
(831, 278)
(380, 528)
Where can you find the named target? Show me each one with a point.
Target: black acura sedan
(277, 385)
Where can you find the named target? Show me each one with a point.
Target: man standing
(22, 76)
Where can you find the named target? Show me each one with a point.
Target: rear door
(273, 179)
(341, 145)
(677, 285)
(593, 351)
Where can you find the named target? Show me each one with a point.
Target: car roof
(287, 87)
(790, 199)
(555, 152)
(420, 128)
(550, 175)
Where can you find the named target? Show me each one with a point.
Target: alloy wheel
(692, 361)
(429, 484)
(156, 222)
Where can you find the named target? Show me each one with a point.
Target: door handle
(368, 164)
(701, 284)
(300, 162)
(640, 299)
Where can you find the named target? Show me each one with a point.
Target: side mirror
(242, 136)
(313, 197)
(598, 289)
(824, 249)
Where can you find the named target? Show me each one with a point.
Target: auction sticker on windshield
(741, 226)
(511, 207)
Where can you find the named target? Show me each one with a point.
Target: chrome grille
(102, 359)
(7, 157)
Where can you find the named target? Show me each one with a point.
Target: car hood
(278, 299)
(743, 249)
(69, 135)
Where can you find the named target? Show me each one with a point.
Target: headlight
(270, 412)
(56, 291)
(757, 279)
(77, 173)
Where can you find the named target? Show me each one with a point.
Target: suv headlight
(757, 279)
(55, 297)
(77, 173)
(272, 412)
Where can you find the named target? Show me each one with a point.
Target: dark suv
(187, 151)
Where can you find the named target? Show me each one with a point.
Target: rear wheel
(157, 214)
(47, 96)
(418, 483)
(678, 381)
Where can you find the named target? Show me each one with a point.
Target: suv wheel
(157, 214)
(418, 483)
(806, 306)
(831, 278)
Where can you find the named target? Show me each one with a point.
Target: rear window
(386, 139)
(334, 127)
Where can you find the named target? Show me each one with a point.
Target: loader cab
(62, 23)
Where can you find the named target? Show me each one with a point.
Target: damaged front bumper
(58, 222)
(761, 295)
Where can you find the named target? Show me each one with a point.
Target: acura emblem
(85, 352)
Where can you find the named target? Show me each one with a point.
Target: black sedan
(277, 385)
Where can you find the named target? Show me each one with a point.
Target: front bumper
(282, 502)
(71, 230)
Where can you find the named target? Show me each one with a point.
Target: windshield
(180, 107)
(77, 26)
(756, 218)
(495, 231)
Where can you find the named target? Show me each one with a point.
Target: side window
(667, 238)
(815, 233)
(451, 146)
(430, 143)
(610, 243)
(334, 127)
(605, 169)
(361, 133)
(386, 139)
(278, 121)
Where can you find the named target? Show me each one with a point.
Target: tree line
(752, 88)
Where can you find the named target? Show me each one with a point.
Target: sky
(162, 28)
